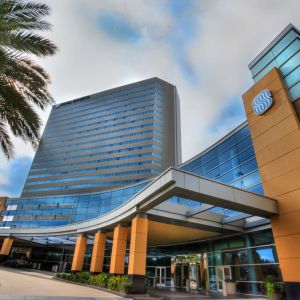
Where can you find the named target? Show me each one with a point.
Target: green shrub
(270, 285)
(270, 289)
(70, 277)
(119, 283)
(99, 280)
(124, 287)
(66, 276)
(116, 283)
(82, 277)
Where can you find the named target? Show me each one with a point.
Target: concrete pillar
(276, 141)
(138, 253)
(79, 251)
(98, 252)
(118, 253)
(6, 246)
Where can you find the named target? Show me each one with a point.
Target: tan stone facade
(276, 140)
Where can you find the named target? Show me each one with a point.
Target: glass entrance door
(160, 276)
(222, 273)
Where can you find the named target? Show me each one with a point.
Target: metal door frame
(223, 274)
(158, 274)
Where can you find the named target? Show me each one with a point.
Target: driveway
(18, 284)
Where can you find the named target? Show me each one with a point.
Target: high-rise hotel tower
(113, 138)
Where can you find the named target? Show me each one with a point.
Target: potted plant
(230, 286)
(273, 289)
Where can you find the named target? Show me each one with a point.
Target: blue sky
(203, 47)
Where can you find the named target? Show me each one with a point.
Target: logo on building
(262, 102)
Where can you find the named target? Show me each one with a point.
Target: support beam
(98, 252)
(198, 210)
(255, 221)
(237, 217)
(6, 246)
(79, 251)
(117, 262)
(138, 253)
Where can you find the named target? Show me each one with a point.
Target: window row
(129, 149)
(52, 126)
(100, 147)
(118, 137)
(130, 118)
(132, 122)
(108, 167)
(93, 162)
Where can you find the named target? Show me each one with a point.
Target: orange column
(138, 253)
(276, 140)
(117, 262)
(138, 246)
(78, 256)
(6, 246)
(98, 252)
(2, 206)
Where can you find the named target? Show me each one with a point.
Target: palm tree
(23, 83)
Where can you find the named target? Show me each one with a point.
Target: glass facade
(284, 54)
(113, 138)
(250, 257)
(231, 161)
(62, 210)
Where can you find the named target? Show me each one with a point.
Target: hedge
(112, 282)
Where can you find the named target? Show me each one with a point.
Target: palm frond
(27, 42)
(21, 9)
(23, 83)
(5, 142)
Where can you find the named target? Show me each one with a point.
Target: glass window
(198, 170)
(247, 142)
(264, 255)
(258, 189)
(193, 164)
(228, 154)
(293, 77)
(242, 133)
(230, 176)
(246, 155)
(249, 166)
(291, 64)
(288, 52)
(209, 155)
(295, 91)
(213, 173)
(265, 60)
(231, 164)
(211, 164)
(286, 40)
(226, 144)
(266, 70)
(247, 181)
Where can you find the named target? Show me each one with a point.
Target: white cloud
(229, 35)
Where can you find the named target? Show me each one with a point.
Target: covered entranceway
(176, 208)
(190, 272)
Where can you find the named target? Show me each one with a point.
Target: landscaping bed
(118, 284)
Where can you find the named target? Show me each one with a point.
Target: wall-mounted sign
(262, 102)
